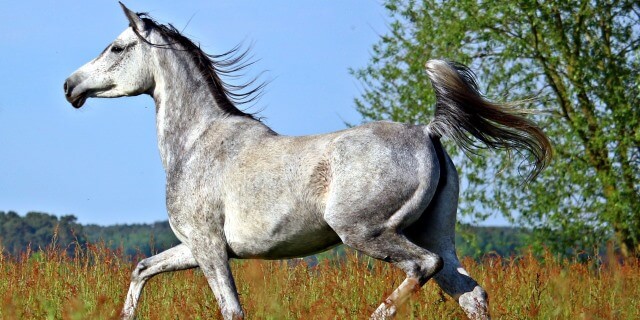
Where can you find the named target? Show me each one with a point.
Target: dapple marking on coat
(236, 189)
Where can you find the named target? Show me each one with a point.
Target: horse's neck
(185, 107)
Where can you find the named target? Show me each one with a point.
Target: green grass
(92, 285)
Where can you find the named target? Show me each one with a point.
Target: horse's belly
(287, 236)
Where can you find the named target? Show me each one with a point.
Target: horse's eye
(116, 49)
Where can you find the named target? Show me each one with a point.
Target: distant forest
(37, 231)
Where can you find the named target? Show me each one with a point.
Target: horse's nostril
(65, 88)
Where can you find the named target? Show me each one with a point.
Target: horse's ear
(134, 19)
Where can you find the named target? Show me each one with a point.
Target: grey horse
(236, 189)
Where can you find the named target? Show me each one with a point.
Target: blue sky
(101, 163)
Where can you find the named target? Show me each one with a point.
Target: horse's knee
(475, 303)
(137, 274)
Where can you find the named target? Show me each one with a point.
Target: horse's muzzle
(76, 100)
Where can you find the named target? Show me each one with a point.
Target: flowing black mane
(227, 64)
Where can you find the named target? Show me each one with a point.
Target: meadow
(49, 284)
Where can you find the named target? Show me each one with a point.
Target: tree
(581, 62)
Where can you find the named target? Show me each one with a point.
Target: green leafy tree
(581, 62)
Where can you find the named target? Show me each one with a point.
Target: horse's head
(122, 69)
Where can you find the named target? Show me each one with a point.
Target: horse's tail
(461, 109)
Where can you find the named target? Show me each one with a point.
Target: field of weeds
(93, 284)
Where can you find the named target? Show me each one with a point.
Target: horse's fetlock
(234, 314)
(475, 303)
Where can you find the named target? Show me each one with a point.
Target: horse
(237, 189)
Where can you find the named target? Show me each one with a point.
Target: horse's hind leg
(384, 242)
(173, 259)
(435, 231)
(418, 265)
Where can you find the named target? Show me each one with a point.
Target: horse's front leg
(213, 259)
(176, 258)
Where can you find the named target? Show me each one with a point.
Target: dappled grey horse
(236, 189)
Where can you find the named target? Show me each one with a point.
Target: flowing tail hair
(462, 110)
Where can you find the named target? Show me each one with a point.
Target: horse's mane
(227, 64)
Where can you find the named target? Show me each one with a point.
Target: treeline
(37, 230)
(145, 239)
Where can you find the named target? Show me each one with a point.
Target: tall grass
(92, 285)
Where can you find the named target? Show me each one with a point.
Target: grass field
(92, 285)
